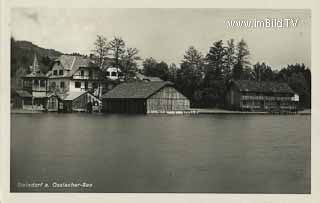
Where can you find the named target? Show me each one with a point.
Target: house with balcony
(261, 96)
(74, 74)
(74, 78)
(33, 95)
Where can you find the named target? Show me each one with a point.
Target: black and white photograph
(160, 100)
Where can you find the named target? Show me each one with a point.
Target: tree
(153, 68)
(194, 58)
(298, 77)
(242, 60)
(190, 75)
(101, 49)
(173, 70)
(117, 51)
(129, 62)
(188, 80)
(215, 80)
(149, 66)
(231, 58)
(262, 72)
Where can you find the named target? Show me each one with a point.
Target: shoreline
(223, 111)
(198, 110)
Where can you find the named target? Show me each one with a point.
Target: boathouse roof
(262, 87)
(135, 90)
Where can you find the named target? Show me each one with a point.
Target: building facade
(36, 84)
(261, 96)
(113, 73)
(145, 97)
(73, 84)
(75, 74)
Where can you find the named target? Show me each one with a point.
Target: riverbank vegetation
(203, 78)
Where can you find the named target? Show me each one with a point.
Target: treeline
(204, 78)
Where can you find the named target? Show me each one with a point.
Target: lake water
(158, 153)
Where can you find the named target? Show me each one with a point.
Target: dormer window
(55, 72)
(60, 72)
(82, 73)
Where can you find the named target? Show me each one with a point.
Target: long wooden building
(145, 97)
(261, 96)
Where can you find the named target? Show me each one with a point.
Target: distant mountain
(22, 54)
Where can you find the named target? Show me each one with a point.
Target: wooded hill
(22, 54)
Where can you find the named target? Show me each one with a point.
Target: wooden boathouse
(145, 97)
(261, 96)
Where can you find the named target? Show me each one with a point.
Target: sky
(165, 34)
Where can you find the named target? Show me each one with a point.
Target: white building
(114, 73)
(74, 74)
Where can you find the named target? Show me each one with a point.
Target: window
(114, 74)
(55, 72)
(77, 84)
(90, 73)
(36, 82)
(62, 84)
(82, 73)
(53, 84)
(94, 85)
(42, 83)
(108, 73)
(60, 72)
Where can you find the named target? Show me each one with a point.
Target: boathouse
(261, 96)
(21, 99)
(145, 97)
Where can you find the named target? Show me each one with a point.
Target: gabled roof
(35, 70)
(262, 87)
(135, 90)
(72, 95)
(23, 93)
(72, 63)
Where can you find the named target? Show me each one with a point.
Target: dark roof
(23, 93)
(71, 64)
(262, 87)
(135, 90)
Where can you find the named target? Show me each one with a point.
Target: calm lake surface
(158, 153)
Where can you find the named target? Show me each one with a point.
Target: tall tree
(231, 58)
(129, 62)
(117, 50)
(215, 81)
(173, 70)
(101, 49)
(242, 59)
(190, 75)
(194, 58)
